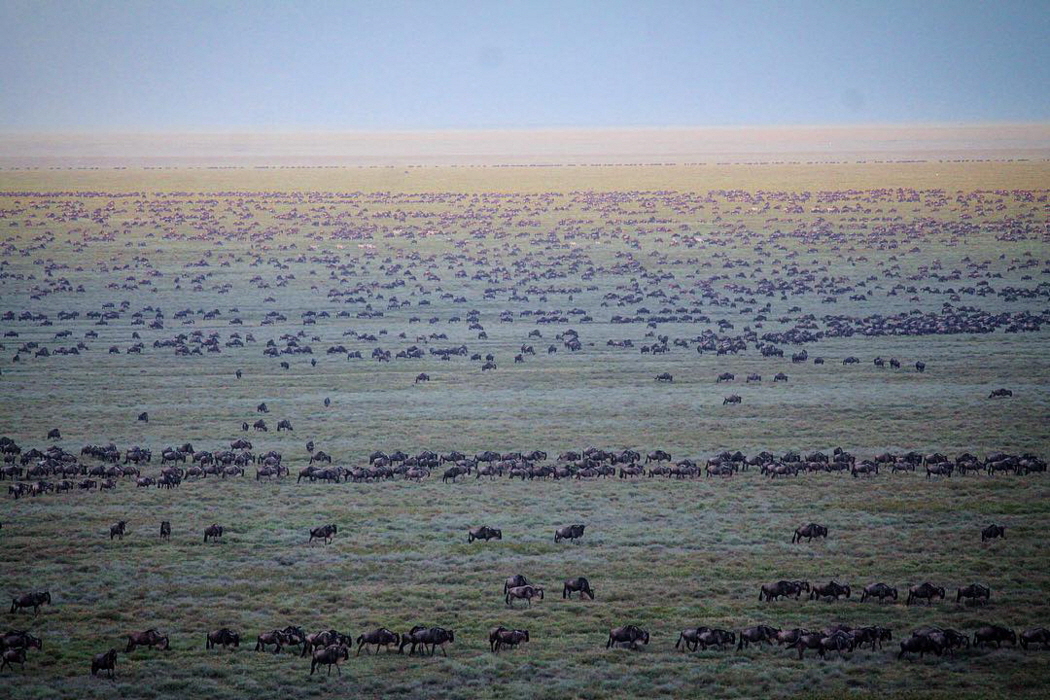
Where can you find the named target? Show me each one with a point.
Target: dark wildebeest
(118, 530)
(772, 591)
(689, 638)
(809, 532)
(503, 637)
(993, 531)
(214, 532)
(756, 635)
(994, 634)
(569, 532)
(484, 533)
(715, 638)
(53, 434)
(579, 584)
(275, 637)
(832, 590)
(381, 637)
(325, 533)
(144, 417)
(329, 656)
(629, 635)
(150, 638)
(526, 593)
(31, 600)
(424, 636)
(225, 637)
(732, 398)
(1036, 635)
(104, 662)
(921, 645)
(974, 593)
(880, 591)
(926, 590)
(165, 530)
(10, 657)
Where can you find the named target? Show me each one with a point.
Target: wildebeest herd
(191, 342)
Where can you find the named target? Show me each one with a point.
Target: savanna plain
(169, 282)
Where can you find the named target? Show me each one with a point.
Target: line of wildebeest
(330, 647)
(40, 466)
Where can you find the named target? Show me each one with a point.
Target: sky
(138, 65)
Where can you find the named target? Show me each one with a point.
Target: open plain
(193, 294)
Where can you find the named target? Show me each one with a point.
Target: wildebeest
(689, 638)
(579, 584)
(994, 634)
(9, 657)
(664, 377)
(974, 593)
(772, 591)
(213, 532)
(329, 656)
(629, 635)
(569, 532)
(427, 636)
(118, 530)
(756, 635)
(224, 637)
(993, 531)
(165, 530)
(1000, 393)
(284, 424)
(104, 662)
(144, 417)
(54, 434)
(422, 377)
(503, 637)
(925, 591)
(1036, 635)
(832, 590)
(275, 637)
(878, 590)
(732, 398)
(484, 533)
(381, 637)
(324, 533)
(526, 593)
(714, 637)
(31, 600)
(150, 638)
(809, 532)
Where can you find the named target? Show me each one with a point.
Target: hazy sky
(302, 65)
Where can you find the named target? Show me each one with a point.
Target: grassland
(662, 554)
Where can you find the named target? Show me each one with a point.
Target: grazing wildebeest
(974, 593)
(213, 532)
(144, 417)
(31, 600)
(1036, 635)
(732, 398)
(54, 434)
(329, 656)
(422, 377)
(629, 635)
(484, 533)
(165, 530)
(993, 531)
(104, 662)
(569, 532)
(926, 590)
(664, 377)
(809, 532)
(1000, 393)
(224, 637)
(878, 590)
(579, 584)
(284, 424)
(381, 637)
(325, 533)
(526, 593)
(118, 530)
(994, 634)
(262, 408)
(150, 638)
(756, 635)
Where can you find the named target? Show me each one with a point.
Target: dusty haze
(569, 146)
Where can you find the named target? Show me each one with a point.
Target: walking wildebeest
(809, 532)
(629, 635)
(569, 532)
(578, 584)
(31, 600)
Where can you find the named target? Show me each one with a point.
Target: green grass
(663, 554)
